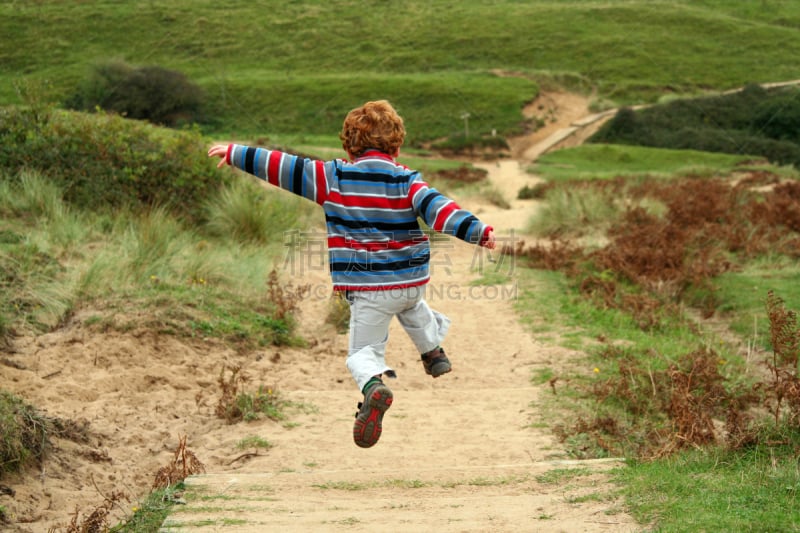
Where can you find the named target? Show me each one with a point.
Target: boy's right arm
(305, 177)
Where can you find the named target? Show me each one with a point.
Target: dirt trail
(464, 452)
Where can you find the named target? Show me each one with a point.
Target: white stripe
(280, 173)
(421, 189)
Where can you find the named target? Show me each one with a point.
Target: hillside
(272, 68)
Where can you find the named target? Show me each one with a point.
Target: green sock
(370, 383)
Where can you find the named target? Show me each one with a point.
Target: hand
(219, 150)
(490, 242)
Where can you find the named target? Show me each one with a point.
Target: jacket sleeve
(444, 215)
(304, 177)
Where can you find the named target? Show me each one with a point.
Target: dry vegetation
(651, 268)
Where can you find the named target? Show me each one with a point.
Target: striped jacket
(371, 209)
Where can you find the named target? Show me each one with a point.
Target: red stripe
(273, 167)
(438, 224)
(343, 242)
(322, 182)
(380, 288)
(355, 200)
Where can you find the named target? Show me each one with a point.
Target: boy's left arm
(445, 216)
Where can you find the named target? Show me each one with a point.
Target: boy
(378, 254)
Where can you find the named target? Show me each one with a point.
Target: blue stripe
(363, 169)
(420, 259)
(376, 273)
(391, 220)
(373, 183)
(257, 164)
(432, 205)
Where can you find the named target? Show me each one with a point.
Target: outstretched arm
(445, 216)
(305, 177)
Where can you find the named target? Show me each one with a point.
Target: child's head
(373, 125)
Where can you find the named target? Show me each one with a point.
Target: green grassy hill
(276, 67)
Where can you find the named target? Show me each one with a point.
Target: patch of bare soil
(464, 452)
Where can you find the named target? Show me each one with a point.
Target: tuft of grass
(253, 442)
(24, 435)
(558, 476)
(236, 404)
(576, 212)
(149, 515)
(495, 197)
(254, 214)
(341, 485)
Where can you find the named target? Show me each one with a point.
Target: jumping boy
(378, 253)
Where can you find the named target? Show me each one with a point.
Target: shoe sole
(369, 425)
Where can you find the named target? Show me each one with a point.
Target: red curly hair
(374, 125)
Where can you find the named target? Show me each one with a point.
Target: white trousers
(370, 315)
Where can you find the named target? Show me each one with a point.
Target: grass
(558, 476)
(274, 68)
(605, 161)
(742, 296)
(548, 297)
(711, 490)
(253, 442)
(144, 270)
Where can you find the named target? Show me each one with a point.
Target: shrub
(106, 161)
(23, 433)
(150, 93)
(751, 121)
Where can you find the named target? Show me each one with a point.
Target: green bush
(107, 162)
(150, 93)
(779, 117)
(751, 121)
